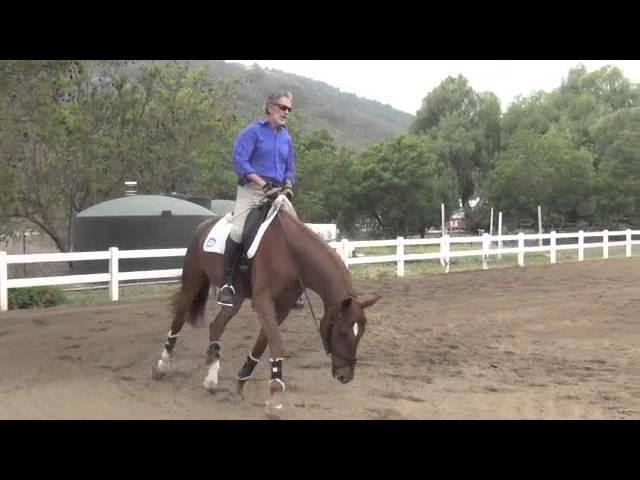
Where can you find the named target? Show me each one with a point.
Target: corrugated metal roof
(144, 205)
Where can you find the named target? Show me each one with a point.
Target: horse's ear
(346, 303)
(371, 301)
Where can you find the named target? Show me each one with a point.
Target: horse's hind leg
(189, 303)
(214, 352)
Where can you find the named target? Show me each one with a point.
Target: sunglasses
(284, 108)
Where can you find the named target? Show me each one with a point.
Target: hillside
(352, 120)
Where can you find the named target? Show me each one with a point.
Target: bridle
(326, 342)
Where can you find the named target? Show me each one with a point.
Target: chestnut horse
(290, 258)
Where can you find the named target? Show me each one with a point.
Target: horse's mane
(309, 237)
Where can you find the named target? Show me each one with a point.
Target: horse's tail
(199, 302)
(191, 298)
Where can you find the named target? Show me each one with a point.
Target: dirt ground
(540, 342)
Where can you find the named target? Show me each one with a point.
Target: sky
(404, 83)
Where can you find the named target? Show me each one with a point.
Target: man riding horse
(291, 258)
(263, 158)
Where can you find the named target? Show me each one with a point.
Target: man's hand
(288, 189)
(270, 191)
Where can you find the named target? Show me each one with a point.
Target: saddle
(258, 219)
(255, 218)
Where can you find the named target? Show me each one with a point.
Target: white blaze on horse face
(211, 381)
(355, 329)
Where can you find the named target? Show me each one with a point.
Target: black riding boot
(232, 251)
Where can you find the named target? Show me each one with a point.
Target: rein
(315, 320)
(326, 344)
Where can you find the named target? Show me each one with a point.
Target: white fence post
(344, 251)
(552, 247)
(4, 294)
(628, 242)
(580, 246)
(486, 244)
(400, 254)
(499, 235)
(447, 249)
(605, 244)
(444, 252)
(540, 225)
(521, 249)
(113, 271)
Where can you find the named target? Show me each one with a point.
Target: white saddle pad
(217, 238)
(215, 241)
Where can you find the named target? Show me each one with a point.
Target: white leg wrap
(211, 381)
(164, 363)
(278, 381)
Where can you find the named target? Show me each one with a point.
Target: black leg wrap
(214, 352)
(276, 369)
(170, 343)
(246, 372)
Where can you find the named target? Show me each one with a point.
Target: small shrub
(35, 297)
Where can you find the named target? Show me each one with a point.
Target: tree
(594, 111)
(36, 101)
(189, 131)
(535, 112)
(544, 170)
(466, 125)
(8, 198)
(77, 130)
(400, 184)
(617, 146)
(323, 182)
(585, 96)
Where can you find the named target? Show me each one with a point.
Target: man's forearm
(257, 179)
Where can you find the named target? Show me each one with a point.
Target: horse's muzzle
(343, 374)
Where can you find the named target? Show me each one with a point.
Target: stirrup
(224, 298)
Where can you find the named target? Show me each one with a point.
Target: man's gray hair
(274, 97)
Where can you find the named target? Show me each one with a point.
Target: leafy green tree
(72, 132)
(535, 112)
(189, 130)
(323, 177)
(544, 170)
(400, 184)
(8, 198)
(466, 125)
(37, 97)
(617, 145)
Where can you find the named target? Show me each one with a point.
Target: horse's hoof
(156, 373)
(276, 401)
(210, 385)
(273, 415)
(274, 404)
(273, 411)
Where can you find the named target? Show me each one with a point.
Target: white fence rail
(345, 248)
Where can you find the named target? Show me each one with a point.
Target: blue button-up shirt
(261, 150)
